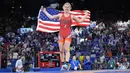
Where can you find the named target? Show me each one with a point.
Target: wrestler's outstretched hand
(43, 8)
(86, 11)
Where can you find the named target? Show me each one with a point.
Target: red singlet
(65, 26)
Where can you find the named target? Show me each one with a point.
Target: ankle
(67, 62)
(63, 63)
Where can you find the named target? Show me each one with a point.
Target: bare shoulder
(72, 16)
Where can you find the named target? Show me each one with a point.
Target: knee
(67, 50)
(62, 52)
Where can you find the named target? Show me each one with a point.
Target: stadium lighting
(20, 7)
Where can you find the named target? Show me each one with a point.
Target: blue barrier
(13, 62)
(46, 69)
(6, 70)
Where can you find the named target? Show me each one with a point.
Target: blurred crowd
(95, 47)
(101, 47)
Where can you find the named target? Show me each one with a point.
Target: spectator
(111, 63)
(75, 64)
(87, 63)
(81, 59)
(102, 58)
(109, 52)
(93, 56)
(116, 63)
(104, 65)
(124, 64)
(19, 65)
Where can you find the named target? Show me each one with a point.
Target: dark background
(100, 9)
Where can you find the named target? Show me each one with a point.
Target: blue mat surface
(86, 71)
(57, 70)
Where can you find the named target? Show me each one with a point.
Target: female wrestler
(65, 36)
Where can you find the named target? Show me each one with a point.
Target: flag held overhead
(44, 24)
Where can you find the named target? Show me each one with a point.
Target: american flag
(47, 25)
